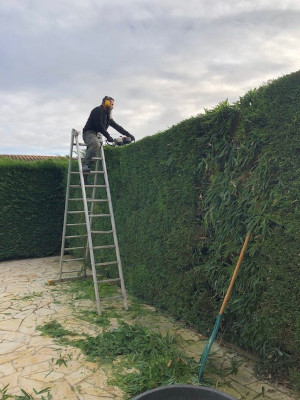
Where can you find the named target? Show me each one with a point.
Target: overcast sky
(163, 61)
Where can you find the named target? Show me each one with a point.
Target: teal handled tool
(213, 335)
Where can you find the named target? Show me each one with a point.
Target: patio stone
(29, 360)
(10, 325)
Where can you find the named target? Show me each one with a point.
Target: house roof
(28, 157)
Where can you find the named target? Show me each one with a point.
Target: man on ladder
(99, 120)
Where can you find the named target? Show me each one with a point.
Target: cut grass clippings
(84, 289)
(54, 329)
(141, 359)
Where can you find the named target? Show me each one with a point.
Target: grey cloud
(59, 59)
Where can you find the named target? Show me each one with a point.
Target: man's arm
(120, 129)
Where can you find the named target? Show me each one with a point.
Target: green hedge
(185, 200)
(32, 207)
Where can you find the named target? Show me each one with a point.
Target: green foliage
(159, 363)
(54, 329)
(4, 394)
(84, 289)
(146, 359)
(32, 207)
(26, 396)
(184, 201)
(61, 361)
(94, 318)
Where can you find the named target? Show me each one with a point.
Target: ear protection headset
(107, 101)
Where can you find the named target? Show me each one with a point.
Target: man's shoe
(85, 169)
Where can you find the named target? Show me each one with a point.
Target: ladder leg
(114, 230)
(66, 205)
(92, 209)
(88, 228)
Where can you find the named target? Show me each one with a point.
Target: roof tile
(28, 157)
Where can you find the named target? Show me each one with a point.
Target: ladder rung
(97, 200)
(99, 215)
(74, 236)
(71, 278)
(74, 186)
(74, 248)
(89, 200)
(109, 280)
(89, 186)
(73, 259)
(77, 224)
(108, 246)
(76, 199)
(70, 272)
(106, 263)
(90, 173)
(95, 186)
(101, 232)
(90, 215)
(97, 158)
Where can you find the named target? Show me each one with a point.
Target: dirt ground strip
(32, 362)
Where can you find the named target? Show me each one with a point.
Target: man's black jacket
(99, 121)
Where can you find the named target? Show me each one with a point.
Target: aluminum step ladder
(85, 217)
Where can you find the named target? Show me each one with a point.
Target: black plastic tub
(184, 392)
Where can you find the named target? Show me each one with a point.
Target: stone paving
(32, 362)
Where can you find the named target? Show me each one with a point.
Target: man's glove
(131, 137)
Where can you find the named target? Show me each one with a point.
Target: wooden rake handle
(235, 273)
